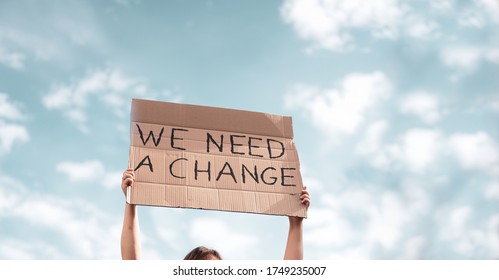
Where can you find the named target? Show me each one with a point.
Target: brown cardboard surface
(213, 158)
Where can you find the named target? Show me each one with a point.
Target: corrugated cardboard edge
(224, 118)
(161, 203)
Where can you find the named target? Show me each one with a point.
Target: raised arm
(130, 234)
(294, 245)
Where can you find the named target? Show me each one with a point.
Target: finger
(304, 195)
(128, 182)
(305, 199)
(130, 174)
(127, 176)
(306, 202)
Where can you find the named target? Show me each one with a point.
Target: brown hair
(202, 253)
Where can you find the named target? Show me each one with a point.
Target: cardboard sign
(212, 158)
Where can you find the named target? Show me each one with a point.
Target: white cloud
(478, 14)
(494, 104)
(373, 138)
(442, 5)
(491, 7)
(328, 228)
(334, 24)
(387, 220)
(420, 28)
(476, 151)
(13, 60)
(11, 132)
(53, 35)
(420, 148)
(84, 230)
(343, 109)
(417, 149)
(109, 86)
(469, 234)
(9, 110)
(90, 171)
(169, 235)
(330, 24)
(459, 217)
(308, 180)
(413, 248)
(112, 180)
(492, 55)
(362, 222)
(471, 19)
(82, 172)
(372, 144)
(215, 233)
(16, 249)
(29, 44)
(466, 59)
(492, 191)
(422, 104)
(492, 229)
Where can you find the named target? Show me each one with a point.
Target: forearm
(294, 246)
(130, 234)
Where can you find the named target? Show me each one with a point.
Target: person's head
(203, 253)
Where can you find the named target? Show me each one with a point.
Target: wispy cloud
(331, 24)
(414, 247)
(466, 59)
(492, 191)
(10, 131)
(10, 134)
(468, 233)
(84, 231)
(342, 229)
(341, 109)
(90, 171)
(415, 150)
(418, 149)
(13, 60)
(475, 151)
(49, 36)
(8, 109)
(334, 25)
(423, 105)
(491, 7)
(364, 221)
(109, 87)
(328, 24)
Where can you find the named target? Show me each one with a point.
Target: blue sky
(395, 107)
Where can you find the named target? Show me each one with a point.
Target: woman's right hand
(127, 180)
